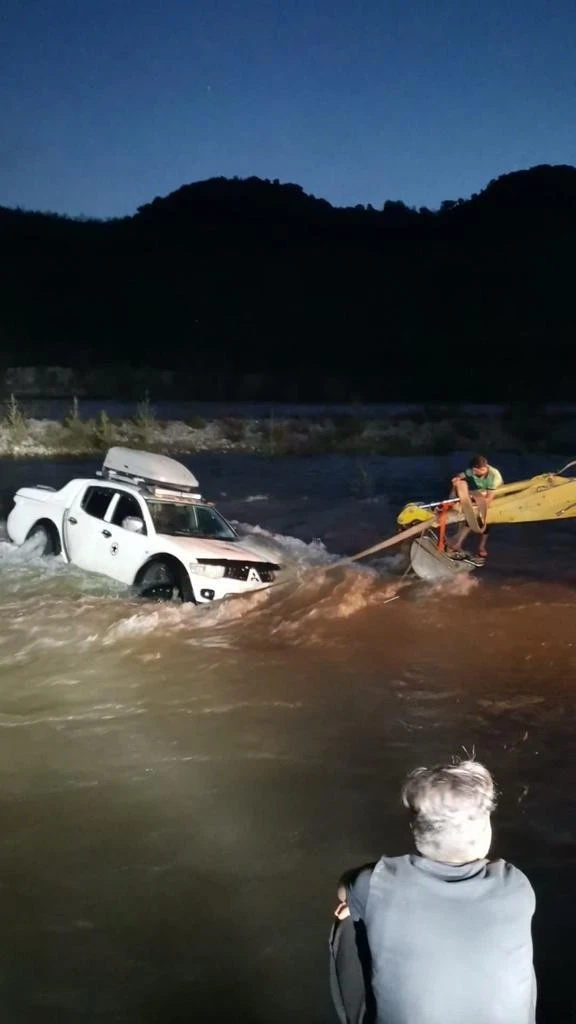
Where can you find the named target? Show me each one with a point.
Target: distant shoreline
(430, 432)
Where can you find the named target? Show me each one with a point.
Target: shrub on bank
(400, 434)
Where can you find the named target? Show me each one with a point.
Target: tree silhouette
(229, 278)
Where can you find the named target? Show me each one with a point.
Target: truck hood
(192, 548)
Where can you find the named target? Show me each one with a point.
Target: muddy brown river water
(181, 787)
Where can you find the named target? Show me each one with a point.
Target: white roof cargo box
(149, 469)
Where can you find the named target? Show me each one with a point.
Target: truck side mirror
(133, 524)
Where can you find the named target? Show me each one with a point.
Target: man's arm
(353, 892)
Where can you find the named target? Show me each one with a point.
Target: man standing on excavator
(482, 480)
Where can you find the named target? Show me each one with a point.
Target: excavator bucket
(548, 496)
(544, 497)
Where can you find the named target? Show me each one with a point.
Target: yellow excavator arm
(543, 497)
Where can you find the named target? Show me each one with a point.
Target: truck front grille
(240, 570)
(236, 570)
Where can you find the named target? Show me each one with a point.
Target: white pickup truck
(143, 523)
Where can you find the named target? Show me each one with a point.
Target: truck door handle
(106, 533)
(72, 520)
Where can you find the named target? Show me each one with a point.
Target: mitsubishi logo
(253, 576)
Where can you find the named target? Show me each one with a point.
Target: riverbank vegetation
(432, 431)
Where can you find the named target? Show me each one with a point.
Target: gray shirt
(448, 944)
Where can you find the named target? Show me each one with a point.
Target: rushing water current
(181, 786)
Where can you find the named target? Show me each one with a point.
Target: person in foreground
(481, 478)
(443, 934)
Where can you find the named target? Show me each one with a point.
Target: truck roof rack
(149, 471)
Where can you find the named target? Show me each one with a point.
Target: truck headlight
(212, 572)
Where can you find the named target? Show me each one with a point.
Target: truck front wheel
(163, 580)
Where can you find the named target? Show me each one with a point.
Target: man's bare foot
(456, 553)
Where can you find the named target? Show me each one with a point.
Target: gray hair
(451, 806)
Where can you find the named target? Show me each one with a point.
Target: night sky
(108, 103)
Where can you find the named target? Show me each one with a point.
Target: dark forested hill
(473, 301)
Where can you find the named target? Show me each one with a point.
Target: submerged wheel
(43, 541)
(163, 580)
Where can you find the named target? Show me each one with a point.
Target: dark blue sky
(105, 104)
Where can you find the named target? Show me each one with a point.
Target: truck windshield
(189, 521)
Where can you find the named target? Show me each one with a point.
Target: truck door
(125, 551)
(84, 527)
